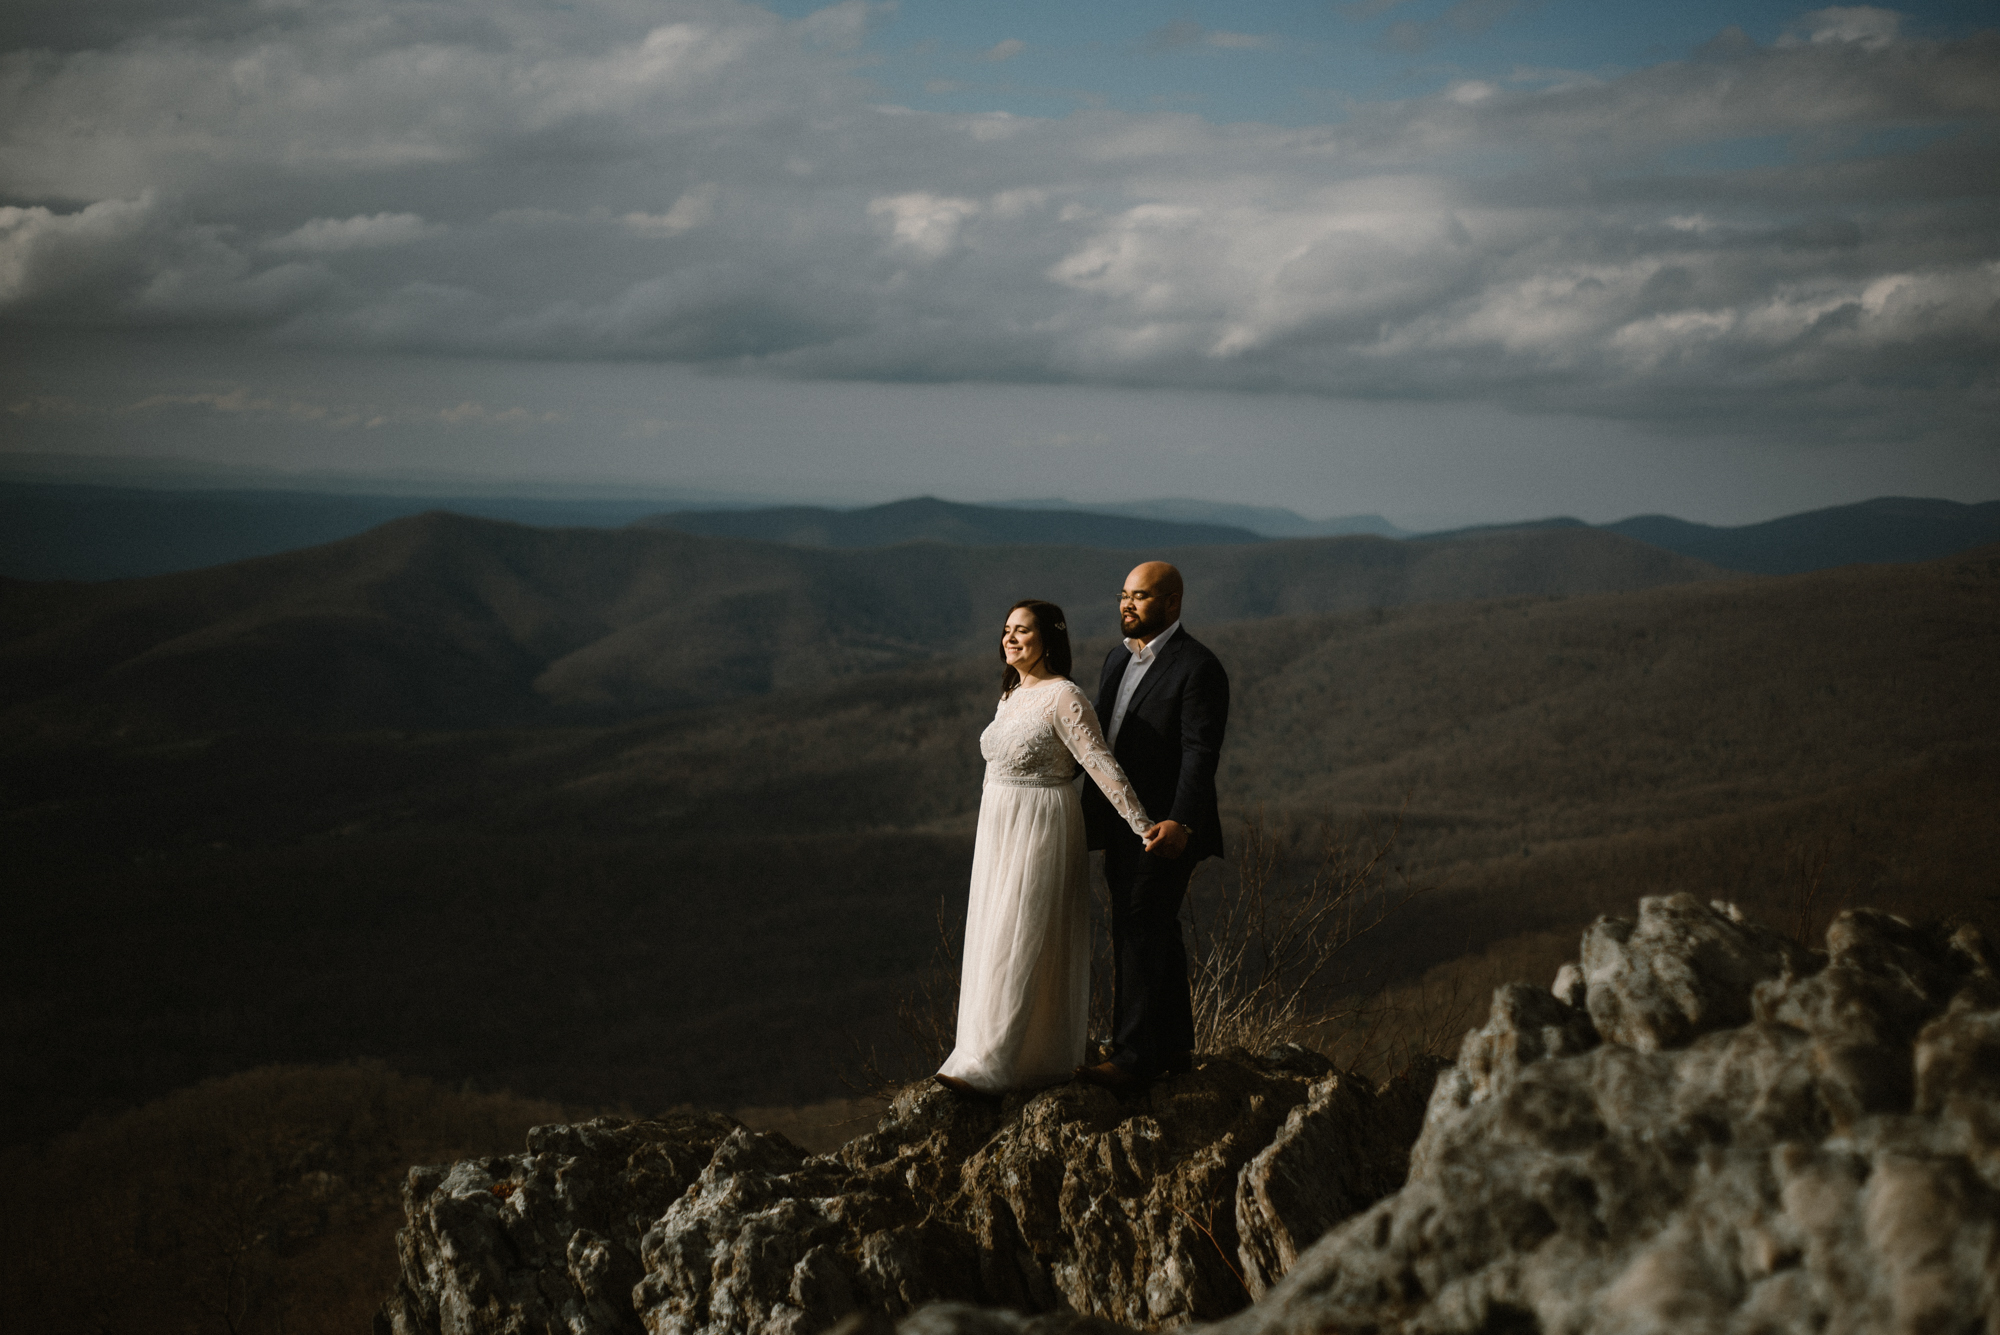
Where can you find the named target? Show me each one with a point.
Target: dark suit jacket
(1170, 742)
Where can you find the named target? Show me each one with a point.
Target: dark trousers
(1152, 1014)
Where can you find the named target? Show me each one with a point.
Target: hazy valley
(472, 866)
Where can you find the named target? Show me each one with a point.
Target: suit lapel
(1161, 664)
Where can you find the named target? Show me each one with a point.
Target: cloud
(922, 224)
(51, 407)
(842, 26)
(704, 182)
(1184, 33)
(1004, 50)
(240, 402)
(326, 236)
(135, 260)
(244, 403)
(1862, 25)
(694, 208)
(473, 413)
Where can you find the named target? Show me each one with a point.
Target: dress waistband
(1024, 781)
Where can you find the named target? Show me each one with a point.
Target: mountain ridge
(1885, 530)
(442, 620)
(928, 519)
(91, 531)
(1272, 521)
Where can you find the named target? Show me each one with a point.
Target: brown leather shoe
(965, 1087)
(1112, 1076)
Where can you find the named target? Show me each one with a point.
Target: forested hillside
(706, 905)
(445, 622)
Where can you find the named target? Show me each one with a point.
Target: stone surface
(1682, 969)
(547, 1240)
(1337, 1153)
(1778, 1141)
(1071, 1205)
(1702, 1126)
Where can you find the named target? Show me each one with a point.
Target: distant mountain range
(52, 530)
(928, 519)
(447, 621)
(1889, 529)
(77, 531)
(1270, 521)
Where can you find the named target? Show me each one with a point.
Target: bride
(1024, 996)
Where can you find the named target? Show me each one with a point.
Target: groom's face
(1148, 604)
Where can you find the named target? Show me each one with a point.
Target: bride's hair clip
(1060, 625)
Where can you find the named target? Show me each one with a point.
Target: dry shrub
(1267, 950)
(1805, 906)
(926, 1027)
(262, 1202)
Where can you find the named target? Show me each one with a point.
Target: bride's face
(1020, 641)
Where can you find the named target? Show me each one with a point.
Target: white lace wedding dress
(1024, 996)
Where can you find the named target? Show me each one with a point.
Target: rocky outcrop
(547, 1240)
(1701, 1126)
(1729, 1135)
(1177, 1205)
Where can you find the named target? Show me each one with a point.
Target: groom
(1163, 700)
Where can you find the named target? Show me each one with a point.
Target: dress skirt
(1024, 995)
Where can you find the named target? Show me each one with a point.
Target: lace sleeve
(1076, 724)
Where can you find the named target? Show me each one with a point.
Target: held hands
(1167, 839)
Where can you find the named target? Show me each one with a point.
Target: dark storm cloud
(1795, 239)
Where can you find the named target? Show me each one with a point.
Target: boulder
(1683, 969)
(543, 1241)
(1765, 1140)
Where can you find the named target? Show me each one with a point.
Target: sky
(1450, 261)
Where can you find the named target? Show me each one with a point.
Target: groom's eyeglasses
(1127, 596)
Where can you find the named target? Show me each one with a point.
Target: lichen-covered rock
(1342, 1149)
(1829, 1163)
(1526, 1024)
(1069, 1205)
(1070, 1200)
(547, 1240)
(1682, 969)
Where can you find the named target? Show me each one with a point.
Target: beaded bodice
(1039, 734)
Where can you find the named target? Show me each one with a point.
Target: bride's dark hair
(1054, 627)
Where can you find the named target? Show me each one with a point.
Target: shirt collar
(1145, 653)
